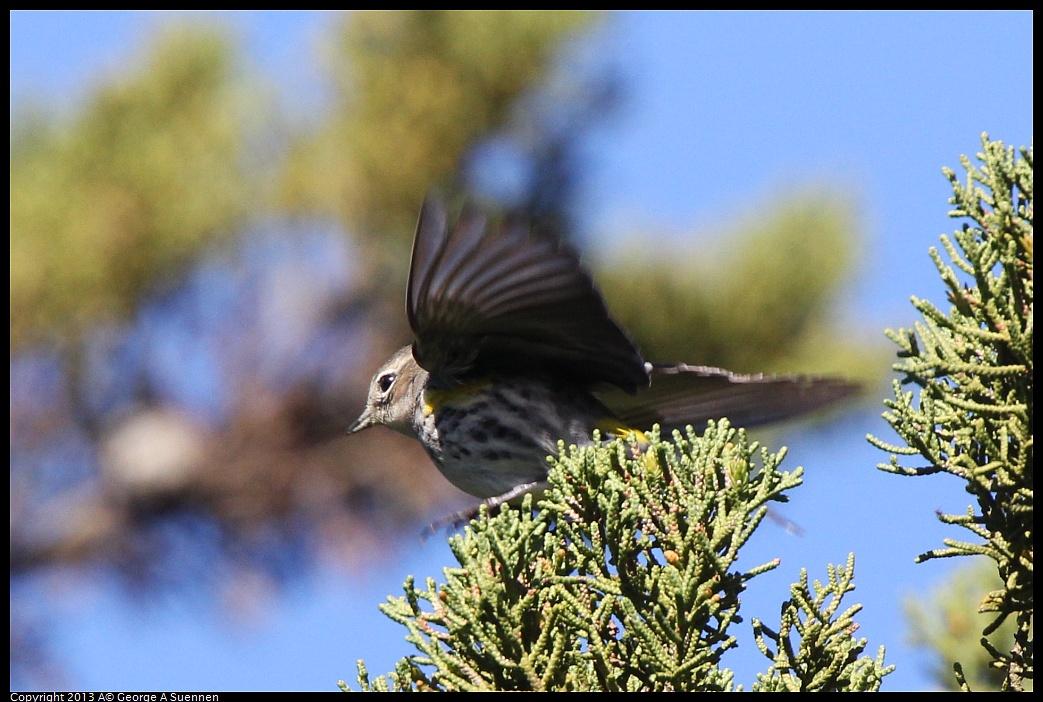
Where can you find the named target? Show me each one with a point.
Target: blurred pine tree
(755, 298)
(129, 190)
(414, 92)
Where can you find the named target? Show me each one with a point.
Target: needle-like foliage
(973, 367)
(625, 579)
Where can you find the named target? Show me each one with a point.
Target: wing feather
(482, 298)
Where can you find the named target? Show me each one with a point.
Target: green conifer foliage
(973, 367)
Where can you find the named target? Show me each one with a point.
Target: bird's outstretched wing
(483, 298)
(681, 394)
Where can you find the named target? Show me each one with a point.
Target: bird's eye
(385, 381)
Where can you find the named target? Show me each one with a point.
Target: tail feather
(681, 394)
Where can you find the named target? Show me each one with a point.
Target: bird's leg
(453, 522)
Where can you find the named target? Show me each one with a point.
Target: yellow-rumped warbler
(514, 349)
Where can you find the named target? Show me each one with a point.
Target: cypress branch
(973, 365)
(624, 579)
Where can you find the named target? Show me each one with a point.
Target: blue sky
(722, 111)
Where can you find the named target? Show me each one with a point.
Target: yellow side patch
(610, 426)
(435, 399)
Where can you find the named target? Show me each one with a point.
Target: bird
(514, 349)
